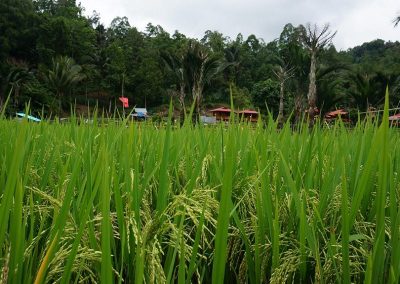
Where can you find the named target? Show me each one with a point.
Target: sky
(356, 21)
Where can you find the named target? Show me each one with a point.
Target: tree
(63, 75)
(214, 40)
(18, 77)
(367, 90)
(201, 68)
(283, 73)
(332, 82)
(174, 64)
(119, 28)
(396, 21)
(63, 31)
(265, 94)
(292, 52)
(18, 27)
(315, 39)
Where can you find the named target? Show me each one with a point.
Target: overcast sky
(356, 21)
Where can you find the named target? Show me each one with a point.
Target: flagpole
(123, 105)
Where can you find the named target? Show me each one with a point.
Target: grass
(133, 203)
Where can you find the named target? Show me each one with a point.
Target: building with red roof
(224, 113)
(221, 113)
(332, 115)
(249, 115)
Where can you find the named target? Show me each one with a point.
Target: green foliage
(120, 60)
(265, 95)
(63, 76)
(241, 97)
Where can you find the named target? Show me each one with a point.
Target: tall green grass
(137, 202)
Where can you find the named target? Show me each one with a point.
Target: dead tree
(315, 39)
(283, 73)
(396, 21)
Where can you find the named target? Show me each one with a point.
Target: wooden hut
(332, 115)
(221, 114)
(249, 115)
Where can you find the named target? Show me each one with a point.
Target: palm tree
(194, 69)
(331, 88)
(174, 64)
(63, 75)
(315, 39)
(17, 78)
(367, 89)
(201, 68)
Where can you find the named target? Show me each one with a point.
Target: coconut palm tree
(63, 75)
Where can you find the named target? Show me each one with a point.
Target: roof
(140, 110)
(21, 114)
(221, 109)
(395, 117)
(248, 111)
(336, 112)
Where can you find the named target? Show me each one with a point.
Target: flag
(124, 101)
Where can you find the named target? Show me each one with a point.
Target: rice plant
(137, 202)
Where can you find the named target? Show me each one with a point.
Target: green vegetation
(52, 55)
(231, 203)
(99, 200)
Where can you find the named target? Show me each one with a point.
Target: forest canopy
(52, 55)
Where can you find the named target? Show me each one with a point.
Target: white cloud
(356, 21)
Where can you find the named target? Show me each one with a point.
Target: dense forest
(52, 55)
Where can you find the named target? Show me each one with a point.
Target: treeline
(52, 55)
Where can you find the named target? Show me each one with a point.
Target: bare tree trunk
(182, 97)
(16, 95)
(312, 87)
(315, 39)
(280, 115)
(298, 108)
(60, 96)
(197, 91)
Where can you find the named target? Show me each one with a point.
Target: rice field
(140, 203)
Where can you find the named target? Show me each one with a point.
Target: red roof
(336, 112)
(221, 109)
(395, 117)
(248, 111)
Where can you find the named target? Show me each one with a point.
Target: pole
(122, 91)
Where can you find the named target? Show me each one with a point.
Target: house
(221, 114)
(248, 115)
(332, 115)
(395, 117)
(208, 119)
(140, 113)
